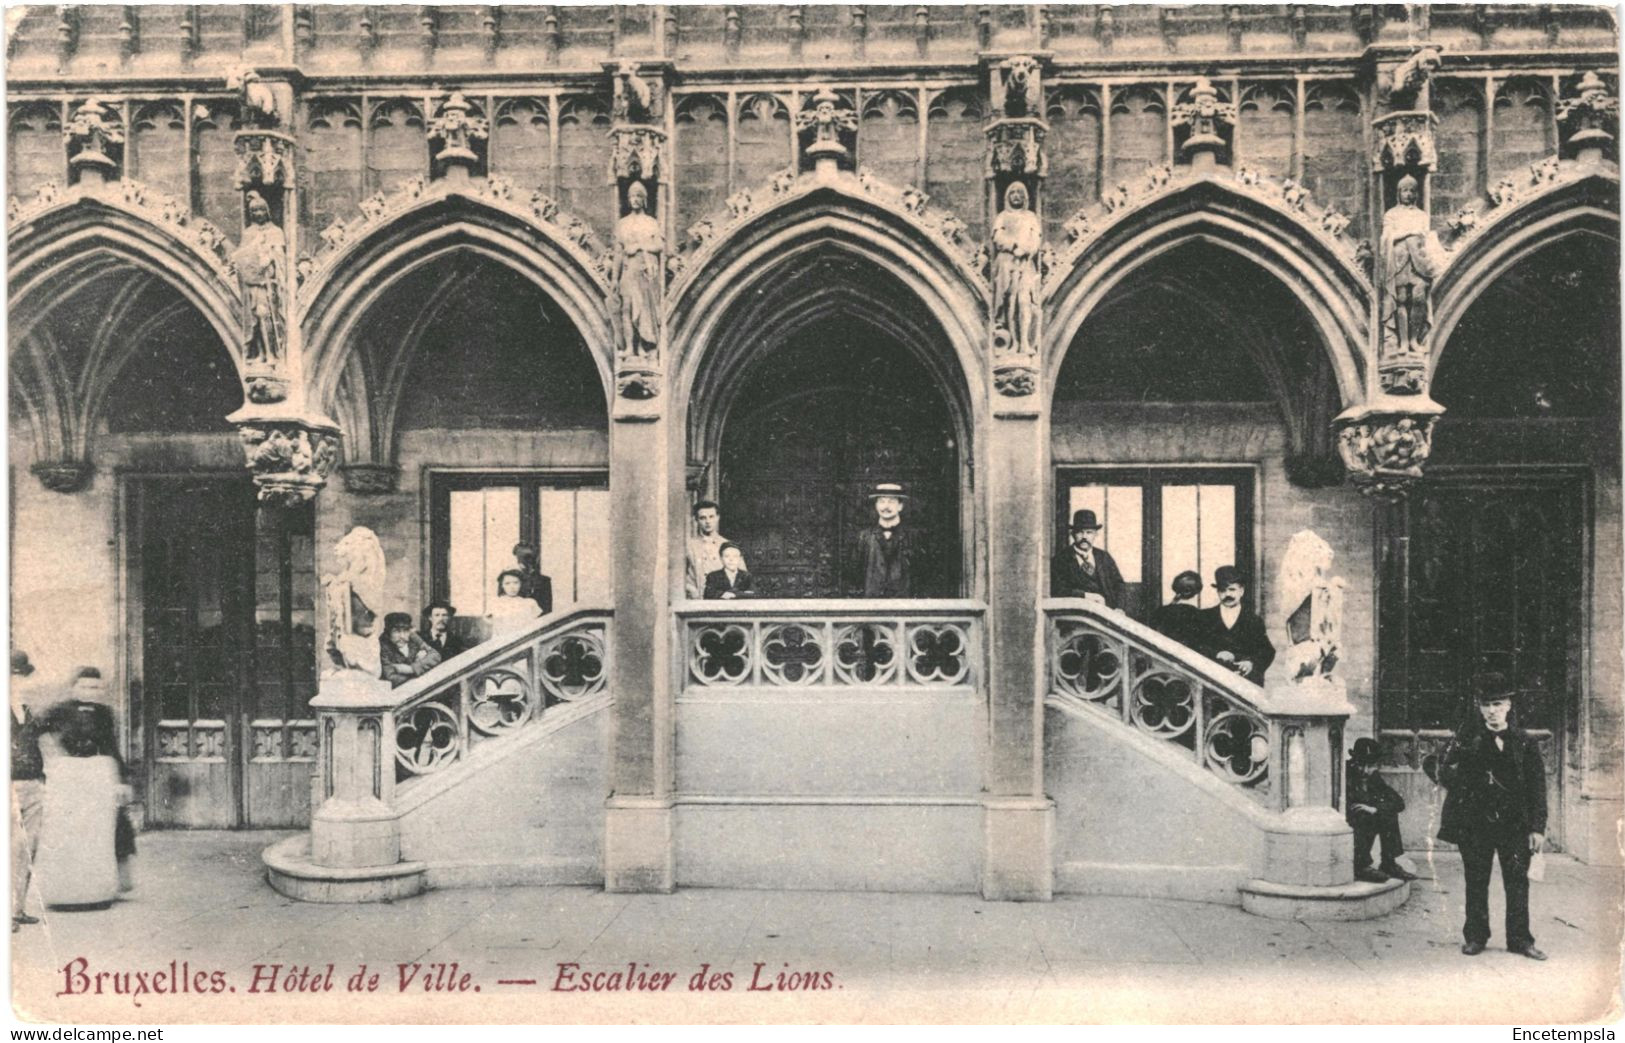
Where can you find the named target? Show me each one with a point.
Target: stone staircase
(1174, 777)
(489, 769)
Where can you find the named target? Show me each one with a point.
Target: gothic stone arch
(1309, 261)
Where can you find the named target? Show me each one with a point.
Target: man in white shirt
(705, 548)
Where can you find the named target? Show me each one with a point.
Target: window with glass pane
(1159, 522)
(478, 518)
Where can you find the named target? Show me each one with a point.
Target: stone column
(646, 476)
(1018, 820)
(638, 817)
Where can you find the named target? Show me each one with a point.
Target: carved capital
(635, 152)
(1015, 147)
(1404, 141)
(370, 478)
(264, 160)
(1384, 452)
(63, 476)
(290, 458)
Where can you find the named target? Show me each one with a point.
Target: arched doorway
(822, 387)
(1183, 396)
(470, 384)
(1489, 558)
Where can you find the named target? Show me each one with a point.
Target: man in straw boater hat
(889, 550)
(1496, 809)
(1082, 570)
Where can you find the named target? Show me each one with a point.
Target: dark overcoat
(1483, 802)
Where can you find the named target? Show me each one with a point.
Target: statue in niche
(1017, 237)
(638, 274)
(354, 595)
(1311, 613)
(262, 260)
(1410, 258)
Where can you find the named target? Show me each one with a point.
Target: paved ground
(201, 902)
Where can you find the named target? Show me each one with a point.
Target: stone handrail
(1280, 746)
(795, 642)
(376, 738)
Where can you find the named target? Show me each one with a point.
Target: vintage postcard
(841, 513)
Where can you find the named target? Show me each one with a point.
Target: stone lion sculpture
(354, 596)
(1310, 613)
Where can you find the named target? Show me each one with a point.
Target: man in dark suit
(889, 551)
(1231, 633)
(1373, 813)
(533, 583)
(1496, 809)
(1083, 570)
(731, 581)
(1178, 618)
(437, 630)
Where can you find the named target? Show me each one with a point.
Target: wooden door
(223, 662)
(1485, 574)
(196, 571)
(795, 474)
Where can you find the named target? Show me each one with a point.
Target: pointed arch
(1309, 260)
(439, 223)
(73, 239)
(1584, 202)
(854, 214)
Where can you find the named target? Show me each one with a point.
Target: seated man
(731, 581)
(1373, 812)
(1178, 619)
(402, 654)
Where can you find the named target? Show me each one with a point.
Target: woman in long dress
(511, 612)
(85, 840)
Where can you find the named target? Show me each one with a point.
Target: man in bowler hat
(1373, 812)
(1231, 633)
(889, 550)
(1496, 809)
(1082, 570)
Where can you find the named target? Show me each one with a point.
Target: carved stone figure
(1310, 614)
(354, 596)
(1411, 75)
(1410, 259)
(825, 123)
(636, 100)
(262, 271)
(1017, 237)
(91, 136)
(259, 101)
(638, 274)
(457, 131)
(1589, 116)
(1017, 87)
